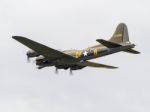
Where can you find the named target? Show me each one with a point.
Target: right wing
(47, 52)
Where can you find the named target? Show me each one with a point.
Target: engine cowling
(41, 60)
(32, 54)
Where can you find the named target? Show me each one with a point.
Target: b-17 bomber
(78, 59)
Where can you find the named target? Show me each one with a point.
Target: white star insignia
(85, 53)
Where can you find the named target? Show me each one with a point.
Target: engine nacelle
(32, 54)
(41, 60)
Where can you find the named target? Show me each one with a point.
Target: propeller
(28, 59)
(56, 70)
(71, 73)
(34, 61)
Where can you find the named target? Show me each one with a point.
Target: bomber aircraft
(78, 59)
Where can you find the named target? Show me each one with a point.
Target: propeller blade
(34, 61)
(56, 70)
(28, 59)
(71, 73)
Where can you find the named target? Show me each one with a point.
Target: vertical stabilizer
(121, 34)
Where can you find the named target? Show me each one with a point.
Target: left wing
(97, 65)
(44, 50)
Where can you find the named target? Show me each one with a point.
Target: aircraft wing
(97, 65)
(47, 52)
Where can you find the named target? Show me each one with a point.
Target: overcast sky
(74, 24)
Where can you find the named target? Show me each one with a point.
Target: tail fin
(121, 34)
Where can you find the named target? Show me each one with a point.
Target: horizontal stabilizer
(108, 43)
(132, 51)
(97, 65)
